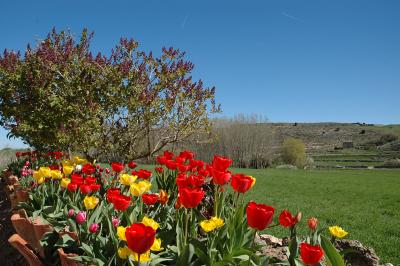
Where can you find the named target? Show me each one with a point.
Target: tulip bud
(115, 221)
(27, 163)
(78, 168)
(312, 223)
(97, 166)
(107, 170)
(298, 217)
(71, 212)
(93, 228)
(80, 217)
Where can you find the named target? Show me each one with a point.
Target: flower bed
(185, 213)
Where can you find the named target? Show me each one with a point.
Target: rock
(286, 166)
(272, 247)
(361, 256)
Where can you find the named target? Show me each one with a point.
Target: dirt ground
(8, 255)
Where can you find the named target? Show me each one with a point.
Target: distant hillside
(320, 137)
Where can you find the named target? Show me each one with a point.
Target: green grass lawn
(364, 202)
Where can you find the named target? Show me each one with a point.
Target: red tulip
(150, 199)
(121, 202)
(77, 179)
(72, 187)
(309, 254)
(111, 193)
(88, 169)
(221, 163)
(54, 167)
(196, 181)
(259, 216)
(144, 174)
(161, 160)
(182, 180)
(220, 178)
(286, 219)
(183, 167)
(188, 155)
(179, 160)
(190, 197)
(90, 180)
(117, 167)
(132, 164)
(241, 183)
(94, 187)
(171, 165)
(312, 223)
(159, 170)
(168, 155)
(85, 189)
(140, 237)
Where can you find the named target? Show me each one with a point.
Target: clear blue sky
(304, 61)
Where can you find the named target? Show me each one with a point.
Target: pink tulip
(71, 212)
(115, 221)
(107, 170)
(81, 217)
(93, 228)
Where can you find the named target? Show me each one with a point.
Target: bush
(294, 152)
(391, 163)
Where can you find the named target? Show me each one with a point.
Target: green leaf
(331, 254)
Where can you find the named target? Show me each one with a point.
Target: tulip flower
(312, 223)
(211, 224)
(81, 217)
(127, 179)
(150, 199)
(309, 254)
(163, 197)
(90, 202)
(144, 174)
(56, 174)
(140, 237)
(121, 202)
(286, 219)
(88, 169)
(65, 182)
(90, 180)
(190, 197)
(95, 187)
(72, 187)
(337, 231)
(115, 221)
(150, 222)
(67, 170)
(137, 189)
(117, 167)
(221, 163)
(71, 212)
(156, 245)
(159, 170)
(241, 183)
(107, 171)
(94, 227)
(220, 177)
(77, 179)
(259, 216)
(121, 233)
(132, 164)
(85, 189)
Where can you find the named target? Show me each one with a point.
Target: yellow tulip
(127, 179)
(67, 169)
(254, 181)
(67, 163)
(156, 245)
(337, 231)
(65, 182)
(124, 252)
(138, 189)
(40, 180)
(56, 174)
(121, 233)
(90, 202)
(45, 171)
(37, 175)
(212, 224)
(145, 257)
(150, 222)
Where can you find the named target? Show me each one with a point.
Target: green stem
(186, 225)
(216, 200)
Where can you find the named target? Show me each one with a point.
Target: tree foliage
(60, 96)
(294, 152)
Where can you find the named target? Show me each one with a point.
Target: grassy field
(364, 202)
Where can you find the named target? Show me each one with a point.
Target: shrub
(294, 152)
